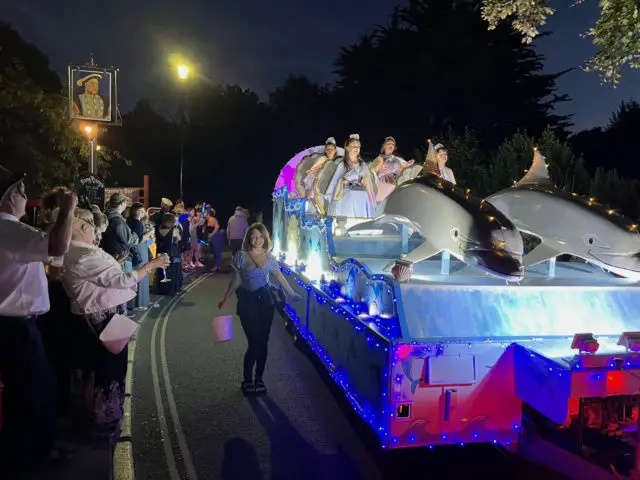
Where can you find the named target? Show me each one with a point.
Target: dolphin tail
(540, 254)
(538, 173)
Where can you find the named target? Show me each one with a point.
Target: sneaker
(259, 387)
(199, 265)
(247, 387)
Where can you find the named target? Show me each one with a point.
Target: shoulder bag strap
(266, 278)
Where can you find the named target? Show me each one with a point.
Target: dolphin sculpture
(569, 224)
(450, 220)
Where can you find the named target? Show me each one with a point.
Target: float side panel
(472, 406)
(454, 311)
(358, 355)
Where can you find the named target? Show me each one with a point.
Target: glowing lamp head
(88, 129)
(585, 343)
(630, 341)
(183, 72)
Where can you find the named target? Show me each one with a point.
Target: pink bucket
(118, 333)
(223, 328)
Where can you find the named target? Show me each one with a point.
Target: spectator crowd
(62, 283)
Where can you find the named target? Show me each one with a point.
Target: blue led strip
(379, 422)
(348, 309)
(386, 327)
(575, 363)
(376, 421)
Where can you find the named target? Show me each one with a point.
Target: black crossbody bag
(275, 296)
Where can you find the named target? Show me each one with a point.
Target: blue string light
(382, 332)
(576, 363)
(378, 420)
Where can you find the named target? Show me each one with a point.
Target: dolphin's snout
(500, 262)
(507, 240)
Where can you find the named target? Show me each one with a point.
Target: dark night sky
(256, 44)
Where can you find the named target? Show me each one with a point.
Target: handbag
(275, 295)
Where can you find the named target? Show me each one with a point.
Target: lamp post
(183, 75)
(92, 134)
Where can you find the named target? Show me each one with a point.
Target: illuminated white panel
(444, 370)
(537, 311)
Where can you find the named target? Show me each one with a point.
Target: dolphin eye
(593, 240)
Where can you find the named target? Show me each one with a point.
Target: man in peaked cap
(29, 399)
(90, 104)
(165, 207)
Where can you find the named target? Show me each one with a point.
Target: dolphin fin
(422, 252)
(539, 254)
(387, 228)
(538, 173)
(389, 224)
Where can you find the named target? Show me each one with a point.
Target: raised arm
(60, 236)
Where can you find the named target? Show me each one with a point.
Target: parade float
(439, 330)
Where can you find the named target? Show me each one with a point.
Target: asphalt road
(190, 420)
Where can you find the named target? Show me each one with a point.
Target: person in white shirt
(98, 289)
(29, 394)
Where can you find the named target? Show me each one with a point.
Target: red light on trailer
(630, 340)
(615, 382)
(585, 342)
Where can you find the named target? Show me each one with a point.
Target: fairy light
(374, 321)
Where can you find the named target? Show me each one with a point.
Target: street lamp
(91, 135)
(183, 75)
(183, 72)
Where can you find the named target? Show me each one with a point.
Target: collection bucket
(117, 334)
(223, 328)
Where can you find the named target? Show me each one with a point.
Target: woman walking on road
(254, 267)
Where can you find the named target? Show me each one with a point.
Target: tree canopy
(434, 70)
(35, 132)
(616, 33)
(435, 66)
(36, 135)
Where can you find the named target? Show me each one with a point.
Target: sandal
(247, 387)
(260, 388)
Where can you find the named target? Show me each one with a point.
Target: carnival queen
(353, 187)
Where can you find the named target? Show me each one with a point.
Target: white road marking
(164, 426)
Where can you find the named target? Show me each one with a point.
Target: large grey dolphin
(451, 220)
(569, 224)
